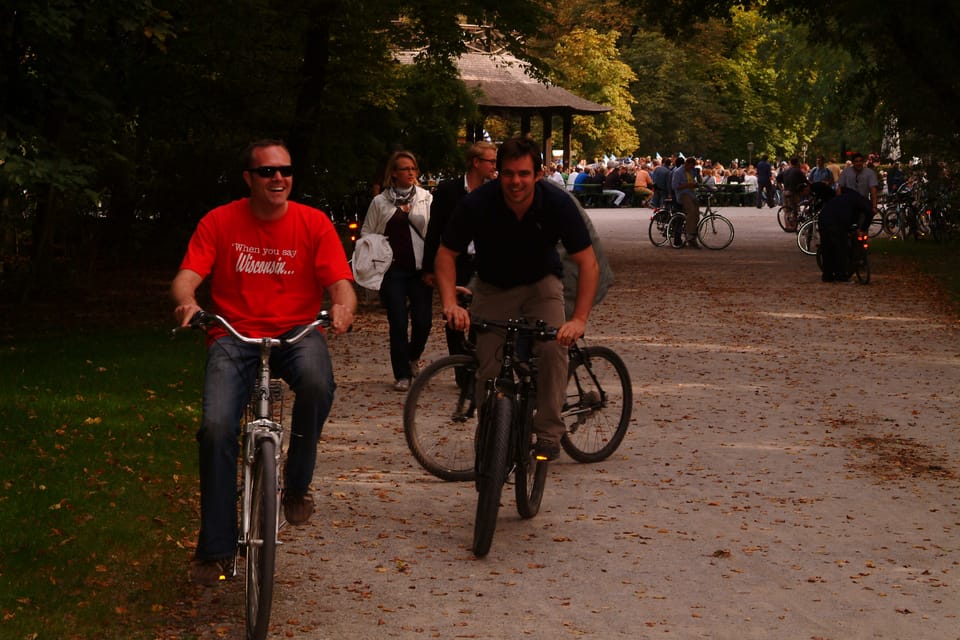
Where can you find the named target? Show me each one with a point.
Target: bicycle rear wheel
(262, 539)
(493, 455)
(439, 417)
(675, 227)
(808, 237)
(715, 232)
(658, 228)
(598, 404)
(862, 268)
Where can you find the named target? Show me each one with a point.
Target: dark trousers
(407, 340)
(834, 246)
(768, 190)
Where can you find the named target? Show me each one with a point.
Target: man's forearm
(342, 293)
(184, 287)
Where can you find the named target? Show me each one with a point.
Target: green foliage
(901, 56)
(124, 120)
(137, 112)
(99, 482)
(586, 63)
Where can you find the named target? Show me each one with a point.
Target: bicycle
(713, 231)
(260, 483)
(659, 222)
(439, 415)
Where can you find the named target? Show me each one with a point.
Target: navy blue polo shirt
(512, 252)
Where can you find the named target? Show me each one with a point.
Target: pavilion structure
(502, 86)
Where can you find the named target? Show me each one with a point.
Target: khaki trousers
(541, 300)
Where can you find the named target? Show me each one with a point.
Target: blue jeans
(232, 368)
(398, 286)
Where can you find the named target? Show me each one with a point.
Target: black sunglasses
(268, 172)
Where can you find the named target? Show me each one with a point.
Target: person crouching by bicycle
(515, 223)
(269, 261)
(838, 215)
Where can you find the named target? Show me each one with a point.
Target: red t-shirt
(266, 277)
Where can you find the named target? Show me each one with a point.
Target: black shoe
(297, 509)
(210, 573)
(546, 451)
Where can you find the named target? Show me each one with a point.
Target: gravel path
(791, 471)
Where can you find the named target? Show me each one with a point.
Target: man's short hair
(260, 144)
(477, 149)
(519, 147)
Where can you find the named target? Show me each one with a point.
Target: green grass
(942, 262)
(97, 506)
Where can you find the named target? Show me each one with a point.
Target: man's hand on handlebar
(457, 318)
(185, 312)
(342, 318)
(571, 331)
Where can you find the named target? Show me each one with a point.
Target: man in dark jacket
(481, 168)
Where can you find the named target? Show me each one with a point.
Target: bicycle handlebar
(203, 319)
(540, 331)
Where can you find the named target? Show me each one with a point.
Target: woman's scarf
(400, 197)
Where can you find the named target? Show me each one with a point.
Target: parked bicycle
(260, 482)
(713, 231)
(659, 222)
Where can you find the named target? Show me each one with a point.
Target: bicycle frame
(516, 380)
(262, 426)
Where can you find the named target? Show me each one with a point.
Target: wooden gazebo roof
(501, 86)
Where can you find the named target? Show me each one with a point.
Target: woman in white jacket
(401, 212)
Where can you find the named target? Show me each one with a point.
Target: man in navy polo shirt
(515, 224)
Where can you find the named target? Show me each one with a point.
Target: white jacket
(382, 209)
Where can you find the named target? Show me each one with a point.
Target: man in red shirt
(269, 261)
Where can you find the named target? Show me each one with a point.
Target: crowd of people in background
(644, 181)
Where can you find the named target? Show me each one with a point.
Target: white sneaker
(403, 384)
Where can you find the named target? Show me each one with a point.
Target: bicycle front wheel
(715, 232)
(597, 406)
(262, 539)
(439, 417)
(782, 219)
(493, 455)
(808, 237)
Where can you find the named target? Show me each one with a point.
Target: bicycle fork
(257, 431)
